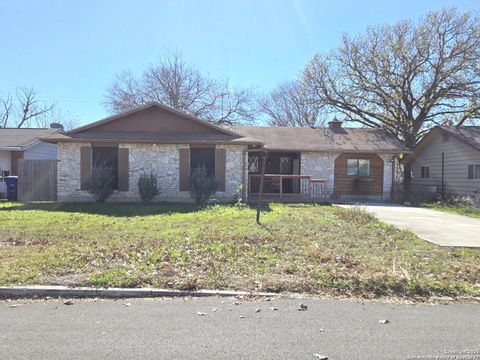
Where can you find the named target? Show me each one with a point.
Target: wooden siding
(353, 185)
(41, 151)
(457, 156)
(220, 164)
(184, 168)
(85, 165)
(155, 119)
(123, 169)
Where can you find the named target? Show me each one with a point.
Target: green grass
(455, 209)
(298, 248)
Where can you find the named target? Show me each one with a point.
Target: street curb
(87, 292)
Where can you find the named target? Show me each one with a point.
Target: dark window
(286, 165)
(474, 171)
(106, 157)
(203, 156)
(425, 172)
(358, 167)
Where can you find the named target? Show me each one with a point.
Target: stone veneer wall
(162, 159)
(321, 166)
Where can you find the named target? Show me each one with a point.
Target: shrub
(202, 185)
(101, 183)
(148, 187)
(238, 197)
(465, 201)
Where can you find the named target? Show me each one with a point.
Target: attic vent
(445, 138)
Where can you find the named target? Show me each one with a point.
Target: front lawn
(455, 209)
(298, 248)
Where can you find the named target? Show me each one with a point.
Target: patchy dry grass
(298, 248)
(455, 209)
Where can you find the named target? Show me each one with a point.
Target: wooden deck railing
(302, 187)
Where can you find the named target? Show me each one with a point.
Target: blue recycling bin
(12, 187)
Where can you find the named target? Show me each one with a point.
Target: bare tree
(68, 120)
(174, 83)
(290, 104)
(405, 77)
(25, 110)
(30, 107)
(7, 106)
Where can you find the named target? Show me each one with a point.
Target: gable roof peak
(150, 105)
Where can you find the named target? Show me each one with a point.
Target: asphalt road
(172, 329)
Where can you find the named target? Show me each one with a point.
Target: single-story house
(302, 163)
(446, 161)
(23, 143)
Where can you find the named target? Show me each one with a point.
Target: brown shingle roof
(14, 137)
(322, 139)
(275, 138)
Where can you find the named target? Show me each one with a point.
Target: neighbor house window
(425, 172)
(4, 174)
(474, 171)
(203, 157)
(358, 167)
(106, 157)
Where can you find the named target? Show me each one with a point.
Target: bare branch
(7, 107)
(404, 77)
(289, 104)
(30, 106)
(171, 81)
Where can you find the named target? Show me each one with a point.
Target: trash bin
(12, 186)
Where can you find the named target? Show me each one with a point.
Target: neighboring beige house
(23, 143)
(447, 161)
(302, 164)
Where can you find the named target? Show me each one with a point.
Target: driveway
(237, 329)
(438, 227)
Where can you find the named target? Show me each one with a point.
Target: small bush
(357, 215)
(101, 183)
(238, 197)
(464, 201)
(202, 185)
(148, 187)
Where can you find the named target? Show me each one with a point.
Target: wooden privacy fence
(37, 180)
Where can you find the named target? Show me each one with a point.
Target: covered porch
(282, 179)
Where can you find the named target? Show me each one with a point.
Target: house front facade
(301, 164)
(17, 144)
(446, 161)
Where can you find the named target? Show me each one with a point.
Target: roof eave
(151, 141)
(11, 148)
(339, 151)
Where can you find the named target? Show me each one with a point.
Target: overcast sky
(71, 50)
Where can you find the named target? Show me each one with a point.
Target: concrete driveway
(438, 227)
